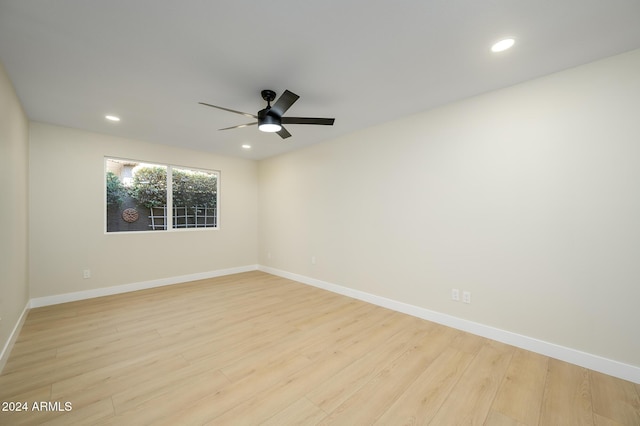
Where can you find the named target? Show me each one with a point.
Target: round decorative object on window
(130, 215)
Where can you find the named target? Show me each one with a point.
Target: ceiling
(363, 62)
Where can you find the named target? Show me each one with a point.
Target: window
(138, 195)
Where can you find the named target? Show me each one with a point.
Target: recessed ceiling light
(246, 146)
(503, 45)
(112, 118)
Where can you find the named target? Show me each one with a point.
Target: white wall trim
(124, 288)
(6, 350)
(573, 356)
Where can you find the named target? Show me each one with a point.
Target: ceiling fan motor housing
(265, 117)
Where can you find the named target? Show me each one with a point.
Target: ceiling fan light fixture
(269, 124)
(270, 128)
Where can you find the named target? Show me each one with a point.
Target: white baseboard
(573, 356)
(124, 288)
(6, 350)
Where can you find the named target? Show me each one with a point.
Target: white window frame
(169, 214)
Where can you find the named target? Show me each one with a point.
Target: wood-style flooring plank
(335, 390)
(276, 398)
(615, 399)
(495, 418)
(470, 399)
(227, 397)
(520, 394)
(385, 387)
(420, 402)
(300, 412)
(165, 402)
(567, 396)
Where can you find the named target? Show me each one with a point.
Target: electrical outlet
(313, 260)
(455, 294)
(86, 273)
(466, 297)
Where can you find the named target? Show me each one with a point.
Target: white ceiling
(362, 62)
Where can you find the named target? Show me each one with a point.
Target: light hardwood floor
(253, 348)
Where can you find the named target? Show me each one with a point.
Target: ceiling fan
(270, 119)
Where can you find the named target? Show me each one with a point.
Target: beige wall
(14, 149)
(67, 216)
(528, 197)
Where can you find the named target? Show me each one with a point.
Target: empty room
(350, 213)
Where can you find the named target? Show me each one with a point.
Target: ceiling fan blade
(308, 120)
(284, 103)
(246, 114)
(240, 126)
(284, 133)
